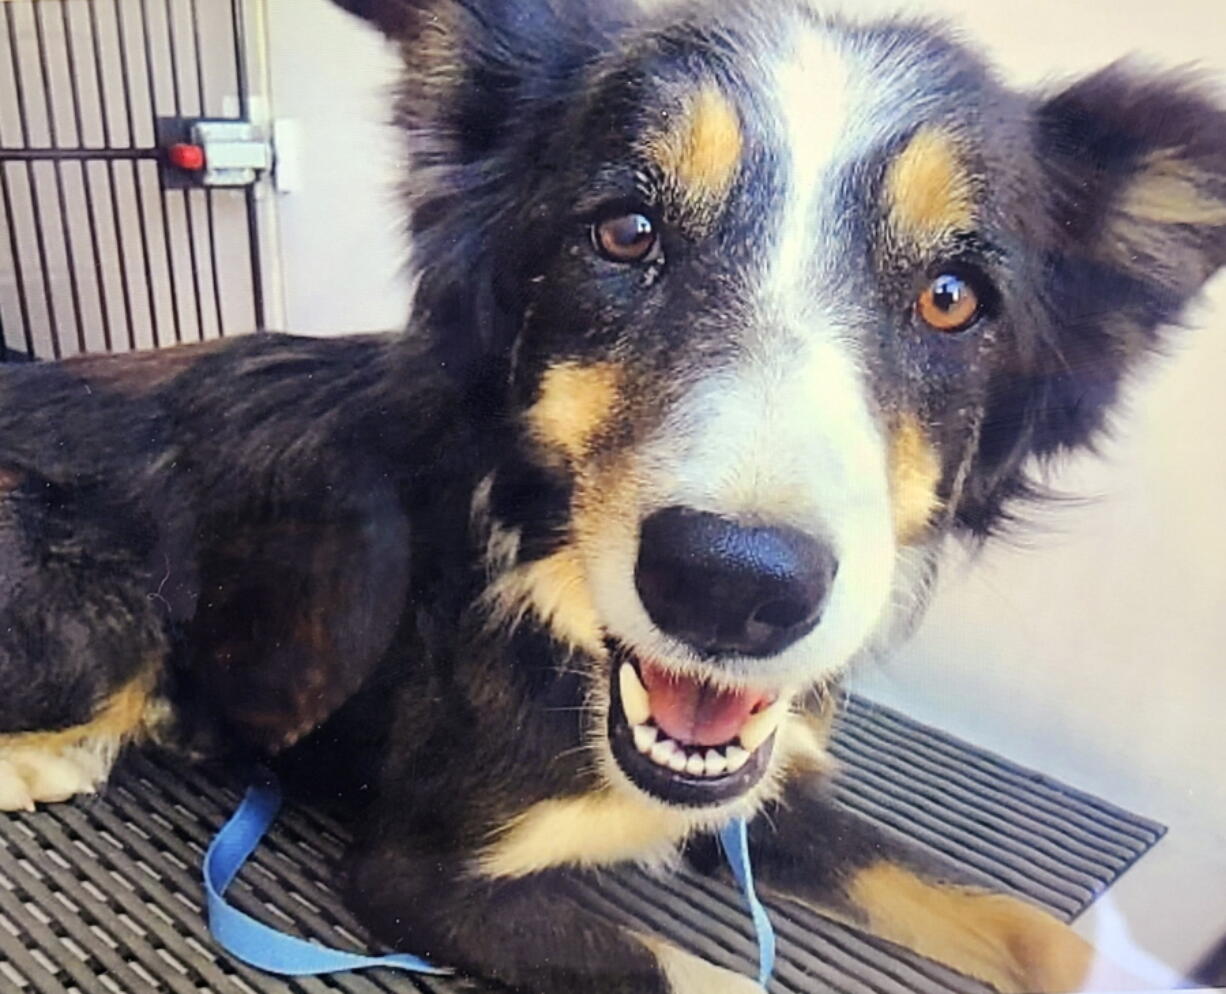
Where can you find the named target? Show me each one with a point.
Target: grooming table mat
(104, 893)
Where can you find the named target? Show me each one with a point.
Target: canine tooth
(645, 737)
(737, 757)
(715, 763)
(695, 766)
(677, 761)
(635, 702)
(762, 725)
(663, 751)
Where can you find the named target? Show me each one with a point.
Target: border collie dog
(727, 316)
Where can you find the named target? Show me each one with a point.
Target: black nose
(727, 588)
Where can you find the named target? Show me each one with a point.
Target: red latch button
(185, 156)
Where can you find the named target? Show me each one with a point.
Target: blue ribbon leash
(267, 949)
(252, 941)
(734, 840)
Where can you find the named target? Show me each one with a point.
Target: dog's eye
(949, 303)
(627, 238)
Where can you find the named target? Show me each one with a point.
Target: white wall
(340, 229)
(1098, 651)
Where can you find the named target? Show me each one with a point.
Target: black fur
(300, 539)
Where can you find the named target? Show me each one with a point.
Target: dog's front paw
(688, 974)
(1042, 953)
(31, 775)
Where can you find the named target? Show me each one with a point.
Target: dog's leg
(80, 642)
(47, 767)
(809, 849)
(533, 934)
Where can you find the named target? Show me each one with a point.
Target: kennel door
(98, 253)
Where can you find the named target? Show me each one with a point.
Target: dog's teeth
(736, 757)
(663, 751)
(695, 766)
(715, 763)
(645, 737)
(677, 761)
(762, 725)
(635, 702)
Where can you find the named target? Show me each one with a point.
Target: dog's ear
(1133, 170)
(393, 17)
(484, 92)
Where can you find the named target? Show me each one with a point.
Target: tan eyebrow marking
(929, 193)
(700, 151)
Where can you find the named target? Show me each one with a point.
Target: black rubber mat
(104, 894)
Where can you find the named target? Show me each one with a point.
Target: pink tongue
(696, 713)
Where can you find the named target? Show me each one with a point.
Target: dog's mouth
(685, 740)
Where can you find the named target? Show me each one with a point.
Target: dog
(727, 317)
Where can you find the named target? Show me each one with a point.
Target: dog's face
(777, 303)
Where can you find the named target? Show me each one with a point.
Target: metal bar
(238, 23)
(147, 264)
(221, 321)
(65, 228)
(90, 211)
(73, 85)
(208, 194)
(172, 49)
(35, 204)
(124, 70)
(173, 45)
(257, 275)
(122, 255)
(237, 15)
(23, 125)
(154, 323)
(40, 242)
(173, 282)
(41, 154)
(23, 305)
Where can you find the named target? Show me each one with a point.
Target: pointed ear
(1138, 164)
(392, 17)
(483, 88)
(1136, 167)
(1132, 172)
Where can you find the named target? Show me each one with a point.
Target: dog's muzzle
(725, 590)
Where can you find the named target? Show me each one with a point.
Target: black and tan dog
(726, 317)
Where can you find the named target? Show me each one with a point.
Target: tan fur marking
(929, 193)
(994, 937)
(120, 718)
(555, 589)
(701, 150)
(48, 767)
(591, 830)
(575, 401)
(915, 472)
(688, 974)
(1169, 191)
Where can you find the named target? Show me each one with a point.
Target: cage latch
(210, 152)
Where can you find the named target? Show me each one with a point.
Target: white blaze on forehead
(785, 433)
(785, 437)
(814, 101)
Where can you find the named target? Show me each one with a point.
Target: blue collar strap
(265, 948)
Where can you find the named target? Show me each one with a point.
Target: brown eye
(948, 303)
(626, 238)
